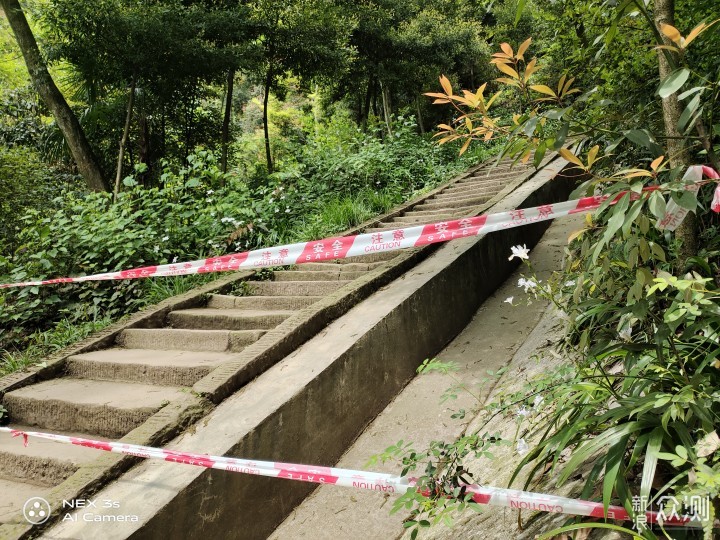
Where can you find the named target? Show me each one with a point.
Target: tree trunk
(268, 85)
(66, 120)
(123, 139)
(368, 96)
(385, 92)
(226, 120)
(419, 116)
(687, 232)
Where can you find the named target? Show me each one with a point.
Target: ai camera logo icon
(36, 510)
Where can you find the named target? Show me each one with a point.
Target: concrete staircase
(107, 393)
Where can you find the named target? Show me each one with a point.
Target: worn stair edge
(151, 317)
(187, 340)
(223, 301)
(161, 427)
(158, 367)
(108, 408)
(309, 407)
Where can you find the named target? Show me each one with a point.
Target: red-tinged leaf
(671, 32)
(492, 99)
(488, 136)
(500, 55)
(505, 80)
(568, 85)
(561, 83)
(638, 173)
(445, 83)
(526, 156)
(543, 89)
(435, 95)
(465, 146)
(572, 158)
(592, 155)
(445, 127)
(530, 69)
(668, 47)
(507, 49)
(507, 70)
(522, 48)
(695, 32)
(656, 163)
(573, 91)
(440, 101)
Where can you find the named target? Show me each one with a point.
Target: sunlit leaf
(671, 32)
(523, 47)
(507, 49)
(543, 89)
(673, 82)
(507, 70)
(572, 158)
(445, 83)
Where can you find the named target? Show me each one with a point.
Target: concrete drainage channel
(320, 364)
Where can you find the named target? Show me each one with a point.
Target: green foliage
(197, 211)
(25, 183)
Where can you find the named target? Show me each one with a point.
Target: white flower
(174, 259)
(538, 401)
(570, 283)
(210, 192)
(523, 412)
(165, 238)
(509, 300)
(156, 249)
(521, 252)
(522, 447)
(287, 210)
(528, 284)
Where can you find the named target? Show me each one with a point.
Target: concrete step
(109, 409)
(414, 219)
(14, 495)
(456, 205)
(302, 275)
(227, 319)
(450, 198)
(295, 288)
(42, 462)
(507, 176)
(420, 212)
(187, 340)
(164, 368)
(337, 265)
(222, 301)
(370, 258)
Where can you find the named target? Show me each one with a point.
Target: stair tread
(156, 357)
(233, 312)
(47, 449)
(13, 495)
(121, 395)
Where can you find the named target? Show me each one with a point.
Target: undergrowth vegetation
(340, 179)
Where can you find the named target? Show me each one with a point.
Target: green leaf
(519, 11)
(673, 82)
(651, 459)
(688, 113)
(643, 137)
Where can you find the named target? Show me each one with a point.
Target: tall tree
(53, 98)
(305, 37)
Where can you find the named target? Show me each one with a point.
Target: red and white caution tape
(388, 483)
(342, 247)
(674, 213)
